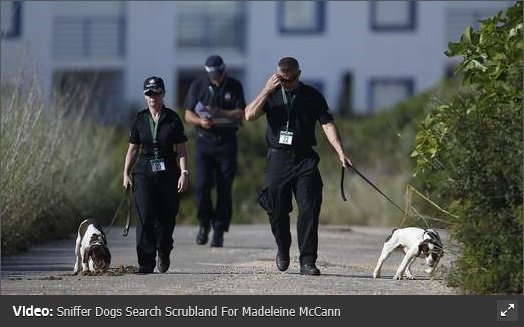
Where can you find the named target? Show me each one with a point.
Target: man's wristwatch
(185, 172)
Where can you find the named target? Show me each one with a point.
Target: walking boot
(203, 233)
(218, 239)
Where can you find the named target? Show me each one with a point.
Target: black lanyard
(154, 130)
(289, 106)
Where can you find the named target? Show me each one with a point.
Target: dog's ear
(107, 253)
(87, 253)
(423, 247)
(103, 236)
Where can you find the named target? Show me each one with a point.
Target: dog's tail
(390, 234)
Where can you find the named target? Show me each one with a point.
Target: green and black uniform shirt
(305, 106)
(170, 131)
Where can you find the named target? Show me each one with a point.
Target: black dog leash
(370, 183)
(342, 193)
(127, 196)
(128, 218)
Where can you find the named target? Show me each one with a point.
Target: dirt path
(245, 265)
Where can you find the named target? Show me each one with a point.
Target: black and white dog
(92, 253)
(415, 242)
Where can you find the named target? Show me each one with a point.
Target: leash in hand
(342, 193)
(370, 183)
(127, 196)
(128, 219)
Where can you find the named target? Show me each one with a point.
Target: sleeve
(180, 133)
(191, 98)
(240, 102)
(134, 135)
(324, 116)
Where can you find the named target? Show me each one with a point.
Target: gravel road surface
(244, 266)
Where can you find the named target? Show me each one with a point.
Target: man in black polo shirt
(292, 110)
(215, 105)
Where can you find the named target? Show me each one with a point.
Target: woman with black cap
(156, 141)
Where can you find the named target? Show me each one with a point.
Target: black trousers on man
(157, 201)
(216, 164)
(289, 172)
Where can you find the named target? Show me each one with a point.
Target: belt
(291, 150)
(216, 136)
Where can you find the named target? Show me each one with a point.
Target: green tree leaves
(469, 152)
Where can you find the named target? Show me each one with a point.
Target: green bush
(469, 153)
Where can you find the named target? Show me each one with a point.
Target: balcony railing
(202, 30)
(98, 37)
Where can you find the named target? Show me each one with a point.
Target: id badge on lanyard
(156, 164)
(286, 136)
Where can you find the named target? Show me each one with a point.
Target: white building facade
(363, 55)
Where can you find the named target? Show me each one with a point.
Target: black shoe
(163, 263)
(218, 239)
(145, 270)
(202, 234)
(309, 269)
(282, 260)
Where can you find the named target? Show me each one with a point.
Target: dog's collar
(431, 234)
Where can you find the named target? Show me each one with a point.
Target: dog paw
(429, 271)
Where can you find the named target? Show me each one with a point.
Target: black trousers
(290, 173)
(216, 165)
(157, 202)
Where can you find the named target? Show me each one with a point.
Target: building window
(11, 19)
(387, 92)
(458, 18)
(393, 15)
(89, 37)
(301, 17)
(88, 30)
(210, 24)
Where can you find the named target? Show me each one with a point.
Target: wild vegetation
(469, 155)
(57, 168)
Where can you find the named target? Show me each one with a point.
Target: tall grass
(57, 168)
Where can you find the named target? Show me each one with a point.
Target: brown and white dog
(415, 242)
(92, 253)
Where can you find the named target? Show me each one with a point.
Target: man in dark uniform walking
(292, 110)
(215, 105)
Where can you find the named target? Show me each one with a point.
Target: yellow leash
(409, 192)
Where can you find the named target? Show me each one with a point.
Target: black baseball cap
(214, 66)
(154, 84)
